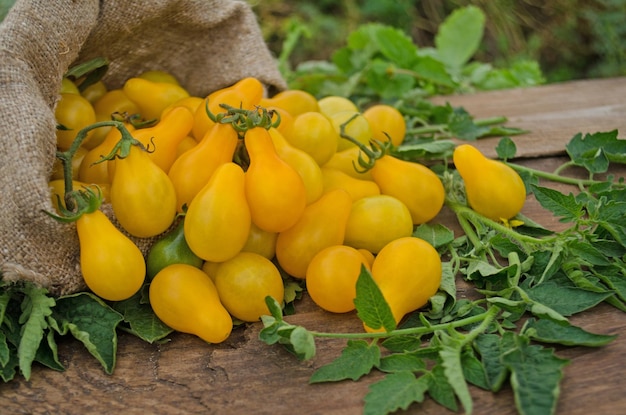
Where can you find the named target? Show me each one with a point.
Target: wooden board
(243, 375)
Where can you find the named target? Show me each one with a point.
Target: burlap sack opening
(206, 44)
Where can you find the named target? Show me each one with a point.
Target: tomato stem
(484, 318)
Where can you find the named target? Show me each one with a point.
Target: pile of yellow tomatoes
(244, 189)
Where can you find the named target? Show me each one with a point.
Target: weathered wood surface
(243, 375)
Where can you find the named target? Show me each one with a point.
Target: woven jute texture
(206, 44)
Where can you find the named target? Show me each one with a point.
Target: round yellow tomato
(331, 277)
(387, 123)
(313, 133)
(333, 104)
(375, 221)
(72, 113)
(244, 281)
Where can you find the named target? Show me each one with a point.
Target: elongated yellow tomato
(193, 169)
(493, 189)
(163, 138)
(159, 76)
(374, 221)
(302, 163)
(185, 299)
(417, 186)
(314, 231)
(313, 133)
(356, 188)
(142, 196)
(274, 190)
(152, 97)
(217, 222)
(331, 277)
(191, 103)
(92, 172)
(294, 101)
(386, 122)
(407, 272)
(347, 161)
(111, 264)
(244, 281)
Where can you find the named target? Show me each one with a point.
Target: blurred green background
(570, 39)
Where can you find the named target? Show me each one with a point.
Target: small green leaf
(565, 300)
(36, 307)
(142, 321)
(535, 377)
(439, 388)
(437, 235)
(450, 354)
(397, 390)
(491, 347)
(402, 361)
(564, 206)
(459, 36)
(462, 126)
(371, 306)
(594, 151)
(548, 331)
(506, 148)
(473, 369)
(356, 360)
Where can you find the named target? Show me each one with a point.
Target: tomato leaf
(450, 355)
(356, 360)
(459, 36)
(36, 307)
(564, 206)
(397, 390)
(440, 389)
(402, 361)
(92, 322)
(535, 376)
(371, 306)
(141, 320)
(548, 331)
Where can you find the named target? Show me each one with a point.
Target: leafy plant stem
(464, 213)
(489, 314)
(555, 176)
(445, 130)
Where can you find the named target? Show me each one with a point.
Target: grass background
(570, 39)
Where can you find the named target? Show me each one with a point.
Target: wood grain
(243, 375)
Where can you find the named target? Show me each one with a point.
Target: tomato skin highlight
(186, 299)
(112, 266)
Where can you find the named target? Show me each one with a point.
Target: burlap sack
(206, 44)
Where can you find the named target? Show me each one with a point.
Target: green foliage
(452, 343)
(566, 39)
